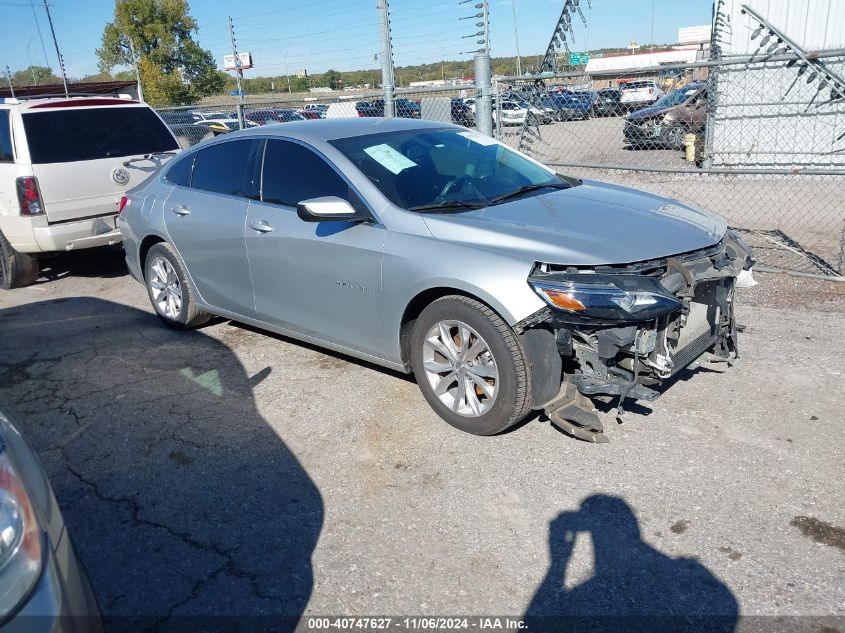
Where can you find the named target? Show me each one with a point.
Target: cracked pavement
(228, 471)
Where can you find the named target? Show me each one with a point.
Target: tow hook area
(573, 413)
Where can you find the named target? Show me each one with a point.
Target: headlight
(20, 539)
(606, 297)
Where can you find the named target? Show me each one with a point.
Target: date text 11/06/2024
(416, 623)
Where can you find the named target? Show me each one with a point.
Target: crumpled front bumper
(632, 360)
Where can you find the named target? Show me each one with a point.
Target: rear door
(78, 154)
(206, 223)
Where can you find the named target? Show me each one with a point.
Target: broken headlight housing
(584, 297)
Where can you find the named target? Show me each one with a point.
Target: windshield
(676, 97)
(421, 168)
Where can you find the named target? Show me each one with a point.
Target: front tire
(673, 136)
(469, 366)
(16, 269)
(169, 290)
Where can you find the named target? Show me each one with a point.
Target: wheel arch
(146, 244)
(426, 297)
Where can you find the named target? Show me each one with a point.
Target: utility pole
(516, 39)
(239, 74)
(287, 76)
(483, 74)
(9, 78)
(56, 43)
(135, 65)
(387, 80)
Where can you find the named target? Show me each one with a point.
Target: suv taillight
(124, 201)
(29, 199)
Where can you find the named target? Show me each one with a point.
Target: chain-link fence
(196, 123)
(752, 140)
(758, 141)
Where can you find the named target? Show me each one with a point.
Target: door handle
(181, 210)
(262, 226)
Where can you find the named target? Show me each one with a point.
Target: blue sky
(343, 34)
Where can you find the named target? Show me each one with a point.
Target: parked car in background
(512, 113)
(317, 107)
(187, 128)
(470, 103)
(636, 94)
(226, 125)
(272, 115)
(607, 103)
(567, 107)
(65, 162)
(664, 124)
(42, 585)
(461, 113)
(426, 247)
(312, 115)
(286, 115)
(404, 108)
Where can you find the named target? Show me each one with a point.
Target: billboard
(245, 59)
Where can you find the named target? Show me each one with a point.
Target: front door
(320, 279)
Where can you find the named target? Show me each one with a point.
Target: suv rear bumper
(74, 235)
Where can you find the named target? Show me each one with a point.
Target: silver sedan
(426, 247)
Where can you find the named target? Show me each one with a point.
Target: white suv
(65, 163)
(638, 94)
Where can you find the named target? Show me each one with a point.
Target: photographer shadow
(634, 586)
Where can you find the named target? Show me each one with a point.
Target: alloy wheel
(166, 289)
(460, 368)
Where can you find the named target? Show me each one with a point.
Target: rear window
(76, 134)
(637, 84)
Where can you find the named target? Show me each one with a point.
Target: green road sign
(578, 59)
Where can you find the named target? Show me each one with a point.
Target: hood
(647, 113)
(588, 225)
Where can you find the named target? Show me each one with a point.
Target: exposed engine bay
(623, 330)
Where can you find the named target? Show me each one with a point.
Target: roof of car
(71, 102)
(332, 129)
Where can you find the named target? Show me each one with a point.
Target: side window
(293, 173)
(222, 168)
(6, 153)
(179, 171)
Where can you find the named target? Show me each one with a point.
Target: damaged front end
(622, 330)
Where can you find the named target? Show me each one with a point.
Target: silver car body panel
(347, 288)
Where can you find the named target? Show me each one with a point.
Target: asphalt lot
(230, 471)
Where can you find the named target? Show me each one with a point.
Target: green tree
(332, 79)
(173, 68)
(35, 75)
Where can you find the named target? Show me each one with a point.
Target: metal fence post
(386, 59)
(240, 75)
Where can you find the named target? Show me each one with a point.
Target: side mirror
(328, 209)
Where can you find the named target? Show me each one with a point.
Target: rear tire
(170, 290)
(483, 386)
(16, 269)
